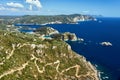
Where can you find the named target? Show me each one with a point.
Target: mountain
(28, 57)
(42, 19)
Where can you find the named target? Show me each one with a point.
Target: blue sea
(105, 58)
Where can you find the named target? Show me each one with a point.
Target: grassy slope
(53, 55)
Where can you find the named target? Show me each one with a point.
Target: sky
(108, 8)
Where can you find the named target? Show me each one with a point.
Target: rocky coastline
(67, 36)
(50, 33)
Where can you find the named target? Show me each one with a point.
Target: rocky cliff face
(69, 36)
(53, 33)
(26, 57)
(47, 31)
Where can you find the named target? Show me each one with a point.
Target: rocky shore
(50, 33)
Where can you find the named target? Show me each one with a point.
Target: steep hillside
(26, 57)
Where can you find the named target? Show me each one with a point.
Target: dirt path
(48, 64)
(77, 68)
(12, 52)
(14, 70)
(33, 57)
(1, 63)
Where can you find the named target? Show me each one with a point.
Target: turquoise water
(105, 29)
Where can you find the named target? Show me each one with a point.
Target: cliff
(26, 57)
(69, 36)
(54, 34)
(47, 31)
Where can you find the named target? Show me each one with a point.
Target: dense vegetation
(27, 57)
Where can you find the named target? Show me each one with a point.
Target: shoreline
(95, 72)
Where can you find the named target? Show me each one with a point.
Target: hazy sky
(53, 7)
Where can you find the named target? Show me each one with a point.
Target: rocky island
(106, 44)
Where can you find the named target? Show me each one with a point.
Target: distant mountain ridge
(42, 19)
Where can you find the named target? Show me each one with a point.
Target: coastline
(91, 67)
(98, 75)
(94, 70)
(77, 64)
(97, 51)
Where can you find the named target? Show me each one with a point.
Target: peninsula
(29, 57)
